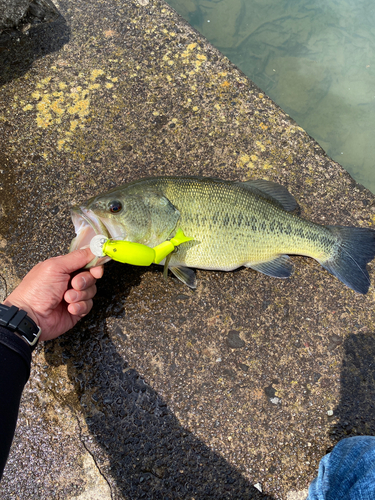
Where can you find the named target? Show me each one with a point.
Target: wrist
(20, 323)
(9, 301)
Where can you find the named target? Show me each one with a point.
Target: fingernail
(81, 282)
(73, 295)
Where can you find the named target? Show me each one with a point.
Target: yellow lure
(137, 254)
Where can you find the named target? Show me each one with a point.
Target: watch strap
(20, 323)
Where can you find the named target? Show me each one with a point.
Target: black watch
(20, 323)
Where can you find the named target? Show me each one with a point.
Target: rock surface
(145, 398)
(25, 13)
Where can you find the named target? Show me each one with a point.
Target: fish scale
(251, 229)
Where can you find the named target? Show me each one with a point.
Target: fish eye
(115, 206)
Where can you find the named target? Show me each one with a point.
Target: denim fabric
(347, 473)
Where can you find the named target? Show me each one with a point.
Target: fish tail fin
(355, 248)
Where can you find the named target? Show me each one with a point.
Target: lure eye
(115, 206)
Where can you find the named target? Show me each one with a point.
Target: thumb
(76, 260)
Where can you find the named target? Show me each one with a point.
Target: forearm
(15, 360)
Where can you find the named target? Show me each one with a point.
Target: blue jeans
(348, 472)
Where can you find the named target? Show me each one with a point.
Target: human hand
(45, 295)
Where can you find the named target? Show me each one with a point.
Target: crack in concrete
(91, 455)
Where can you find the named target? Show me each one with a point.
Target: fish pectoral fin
(271, 191)
(186, 275)
(280, 267)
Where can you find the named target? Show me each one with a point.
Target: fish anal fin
(279, 267)
(186, 275)
(271, 191)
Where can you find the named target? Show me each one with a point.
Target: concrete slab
(22, 14)
(149, 397)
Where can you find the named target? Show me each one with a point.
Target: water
(315, 59)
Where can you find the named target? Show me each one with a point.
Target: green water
(315, 59)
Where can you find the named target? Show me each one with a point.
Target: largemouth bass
(232, 224)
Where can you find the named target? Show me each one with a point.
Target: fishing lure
(136, 254)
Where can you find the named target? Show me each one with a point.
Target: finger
(83, 280)
(97, 271)
(72, 296)
(80, 309)
(74, 261)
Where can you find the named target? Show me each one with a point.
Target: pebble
(330, 413)
(234, 341)
(297, 495)
(334, 341)
(258, 486)
(243, 367)
(270, 391)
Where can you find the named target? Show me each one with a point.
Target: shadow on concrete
(355, 413)
(151, 455)
(19, 50)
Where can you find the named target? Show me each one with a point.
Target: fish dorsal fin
(185, 274)
(279, 267)
(271, 191)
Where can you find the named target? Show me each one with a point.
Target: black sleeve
(15, 361)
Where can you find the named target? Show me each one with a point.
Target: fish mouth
(86, 225)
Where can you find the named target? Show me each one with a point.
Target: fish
(232, 224)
